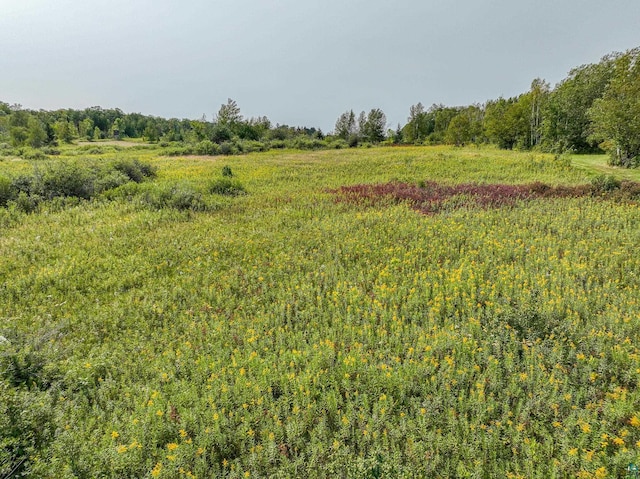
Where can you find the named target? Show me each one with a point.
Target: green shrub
(6, 190)
(22, 184)
(604, 184)
(25, 203)
(228, 148)
(64, 179)
(227, 187)
(277, 144)
(338, 144)
(31, 154)
(110, 180)
(135, 170)
(51, 151)
(207, 147)
(180, 197)
(66, 182)
(250, 146)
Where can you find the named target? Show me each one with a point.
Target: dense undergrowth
(285, 335)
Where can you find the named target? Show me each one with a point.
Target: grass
(281, 333)
(599, 164)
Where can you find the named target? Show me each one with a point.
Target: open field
(283, 333)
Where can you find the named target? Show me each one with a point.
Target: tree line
(595, 108)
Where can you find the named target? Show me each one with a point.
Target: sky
(299, 62)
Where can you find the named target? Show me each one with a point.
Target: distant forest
(595, 108)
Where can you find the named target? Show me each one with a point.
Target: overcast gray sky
(297, 62)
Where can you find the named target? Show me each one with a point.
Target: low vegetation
(430, 197)
(162, 329)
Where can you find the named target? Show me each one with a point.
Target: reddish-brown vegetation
(431, 197)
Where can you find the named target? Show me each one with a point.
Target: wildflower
(121, 448)
(172, 446)
(155, 472)
(573, 451)
(635, 421)
(114, 435)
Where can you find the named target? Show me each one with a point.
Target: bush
(135, 170)
(226, 187)
(178, 151)
(207, 147)
(31, 154)
(226, 171)
(604, 184)
(64, 179)
(25, 203)
(49, 150)
(22, 184)
(250, 146)
(64, 183)
(220, 134)
(277, 144)
(180, 197)
(338, 144)
(228, 148)
(306, 143)
(6, 190)
(110, 180)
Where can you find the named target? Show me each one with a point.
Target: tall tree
(373, 126)
(616, 116)
(507, 122)
(566, 124)
(346, 125)
(539, 93)
(420, 124)
(37, 134)
(229, 114)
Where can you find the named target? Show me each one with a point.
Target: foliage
(6, 191)
(373, 127)
(429, 197)
(180, 196)
(229, 114)
(226, 186)
(134, 169)
(70, 179)
(566, 124)
(616, 115)
(346, 125)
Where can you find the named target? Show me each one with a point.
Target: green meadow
(253, 324)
